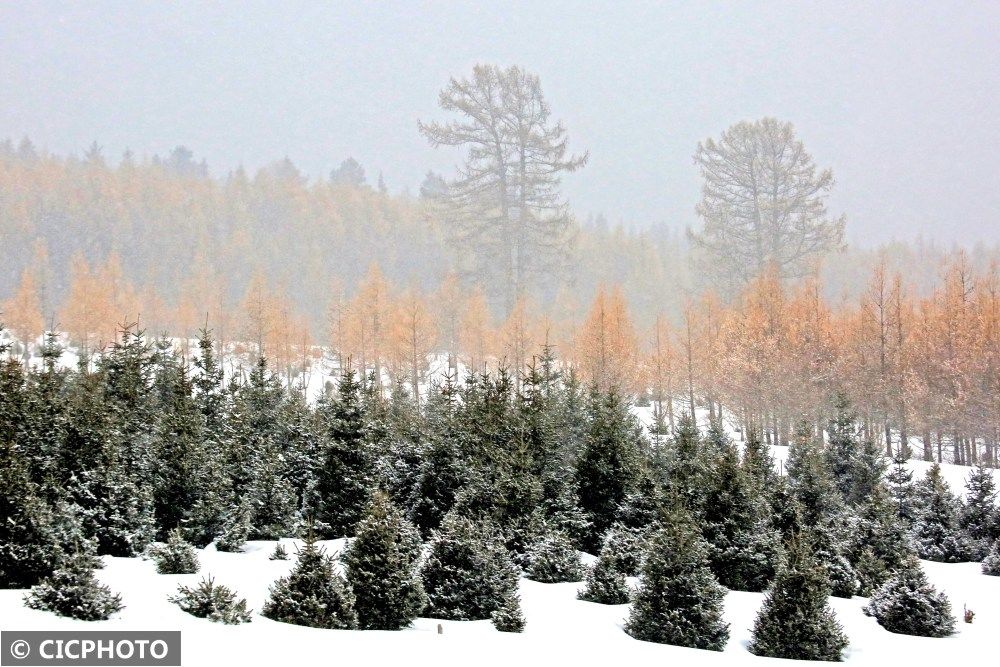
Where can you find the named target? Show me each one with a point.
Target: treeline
(922, 367)
(499, 475)
(175, 244)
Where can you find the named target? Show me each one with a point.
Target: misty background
(898, 99)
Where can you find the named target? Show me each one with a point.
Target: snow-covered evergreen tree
(605, 582)
(690, 464)
(380, 563)
(991, 564)
(72, 590)
(900, 480)
(810, 479)
(908, 604)
(440, 474)
(175, 556)
(880, 542)
(743, 549)
(936, 534)
(679, 600)
(608, 466)
(467, 572)
(508, 617)
(553, 559)
(979, 517)
(345, 477)
(626, 547)
(795, 621)
(312, 594)
(29, 544)
(213, 601)
(842, 448)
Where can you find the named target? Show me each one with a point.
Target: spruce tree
(880, 542)
(979, 517)
(868, 472)
(467, 572)
(900, 480)
(991, 564)
(605, 582)
(795, 621)
(679, 601)
(743, 549)
(29, 549)
(690, 465)
(626, 547)
(380, 563)
(561, 505)
(810, 479)
(908, 604)
(344, 480)
(553, 559)
(757, 461)
(175, 556)
(608, 467)
(936, 533)
(217, 603)
(508, 617)
(178, 449)
(842, 450)
(72, 590)
(831, 546)
(312, 594)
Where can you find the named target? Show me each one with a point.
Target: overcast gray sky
(900, 99)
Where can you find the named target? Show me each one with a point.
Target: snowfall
(560, 628)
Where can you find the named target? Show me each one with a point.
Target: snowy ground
(559, 626)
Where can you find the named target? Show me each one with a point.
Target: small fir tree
(235, 530)
(625, 547)
(795, 621)
(979, 518)
(880, 541)
(279, 553)
(381, 567)
(217, 603)
(605, 583)
(553, 560)
(345, 477)
(991, 564)
(73, 591)
(679, 600)
(508, 617)
(175, 556)
(608, 467)
(312, 594)
(743, 549)
(467, 572)
(936, 534)
(908, 604)
(900, 480)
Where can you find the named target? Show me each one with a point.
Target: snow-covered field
(560, 627)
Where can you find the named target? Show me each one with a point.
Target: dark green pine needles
(679, 600)
(468, 572)
(795, 621)
(381, 567)
(907, 604)
(312, 594)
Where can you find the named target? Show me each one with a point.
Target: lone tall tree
(507, 211)
(763, 201)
